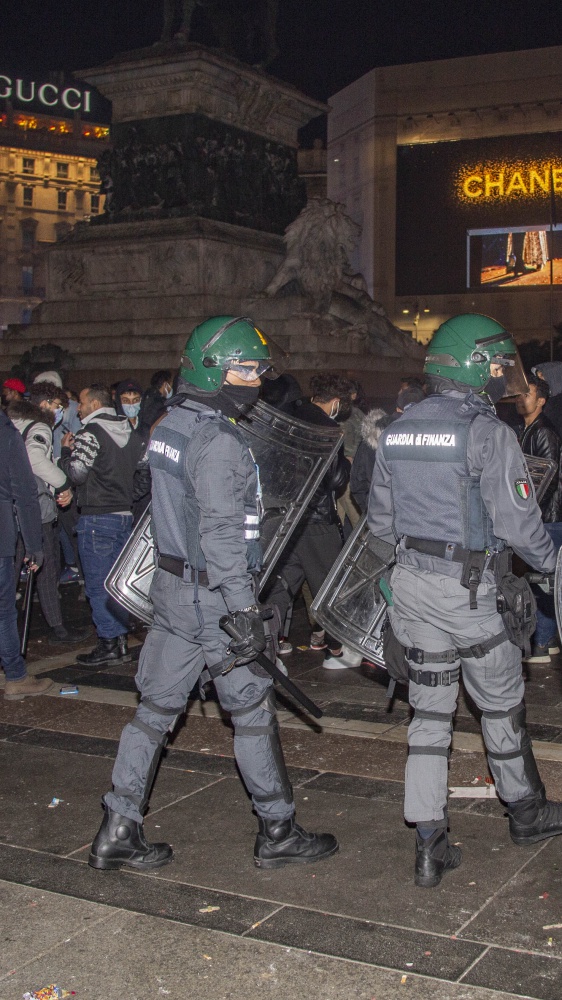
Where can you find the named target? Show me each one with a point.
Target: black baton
(27, 608)
(273, 671)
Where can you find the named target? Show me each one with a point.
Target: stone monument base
(123, 298)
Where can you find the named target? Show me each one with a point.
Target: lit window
(62, 196)
(94, 204)
(62, 169)
(27, 197)
(28, 165)
(94, 174)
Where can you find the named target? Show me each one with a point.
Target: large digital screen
(479, 214)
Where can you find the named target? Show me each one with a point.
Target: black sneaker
(61, 634)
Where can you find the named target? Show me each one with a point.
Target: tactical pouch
(394, 654)
(517, 605)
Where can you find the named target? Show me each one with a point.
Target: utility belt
(472, 561)
(515, 600)
(180, 568)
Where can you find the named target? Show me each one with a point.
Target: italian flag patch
(523, 488)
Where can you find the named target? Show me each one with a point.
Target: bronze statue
(243, 28)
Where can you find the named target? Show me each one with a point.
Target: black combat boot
(106, 651)
(434, 857)
(283, 842)
(534, 818)
(120, 841)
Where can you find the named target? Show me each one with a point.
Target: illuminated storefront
(49, 146)
(454, 170)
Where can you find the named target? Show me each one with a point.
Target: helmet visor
(279, 360)
(504, 360)
(512, 370)
(250, 371)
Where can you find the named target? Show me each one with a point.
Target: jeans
(546, 617)
(100, 540)
(10, 656)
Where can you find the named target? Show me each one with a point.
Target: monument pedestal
(201, 183)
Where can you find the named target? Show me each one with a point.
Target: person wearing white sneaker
(345, 660)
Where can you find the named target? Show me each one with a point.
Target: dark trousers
(312, 553)
(68, 520)
(12, 661)
(100, 540)
(48, 575)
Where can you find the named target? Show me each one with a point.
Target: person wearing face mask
(128, 397)
(452, 495)
(35, 420)
(205, 523)
(155, 399)
(317, 541)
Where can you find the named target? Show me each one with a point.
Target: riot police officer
(205, 521)
(451, 486)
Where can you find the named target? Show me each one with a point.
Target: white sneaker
(345, 660)
(285, 647)
(281, 666)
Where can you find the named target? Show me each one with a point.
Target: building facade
(48, 182)
(453, 169)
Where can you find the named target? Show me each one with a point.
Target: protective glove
(247, 634)
(35, 559)
(254, 555)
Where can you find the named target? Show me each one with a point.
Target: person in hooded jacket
(128, 400)
(35, 419)
(155, 400)
(101, 461)
(372, 427)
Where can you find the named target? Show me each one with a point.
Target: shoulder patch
(39, 437)
(523, 488)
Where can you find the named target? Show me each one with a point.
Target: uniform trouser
(173, 656)
(312, 553)
(431, 612)
(48, 575)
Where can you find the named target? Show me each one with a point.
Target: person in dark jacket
(318, 539)
(538, 437)
(18, 496)
(154, 400)
(101, 461)
(551, 372)
(372, 427)
(128, 397)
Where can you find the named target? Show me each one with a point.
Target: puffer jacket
(541, 440)
(372, 427)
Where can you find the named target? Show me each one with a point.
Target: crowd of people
(79, 471)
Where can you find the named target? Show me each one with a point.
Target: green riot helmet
(466, 349)
(220, 344)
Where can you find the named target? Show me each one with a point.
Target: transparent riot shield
(558, 591)
(350, 605)
(292, 458)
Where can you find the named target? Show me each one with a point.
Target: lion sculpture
(318, 244)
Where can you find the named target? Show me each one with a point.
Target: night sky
(324, 44)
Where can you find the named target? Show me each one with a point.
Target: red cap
(14, 383)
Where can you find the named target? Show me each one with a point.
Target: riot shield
(350, 605)
(292, 457)
(542, 471)
(131, 575)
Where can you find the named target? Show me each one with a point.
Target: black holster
(515, 603)
(472, 569)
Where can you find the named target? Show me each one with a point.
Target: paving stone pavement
(210, 924)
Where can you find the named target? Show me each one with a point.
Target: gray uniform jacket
(494, 455)
(204, 486)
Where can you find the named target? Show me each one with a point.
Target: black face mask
(495, 389)
(235, 400)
